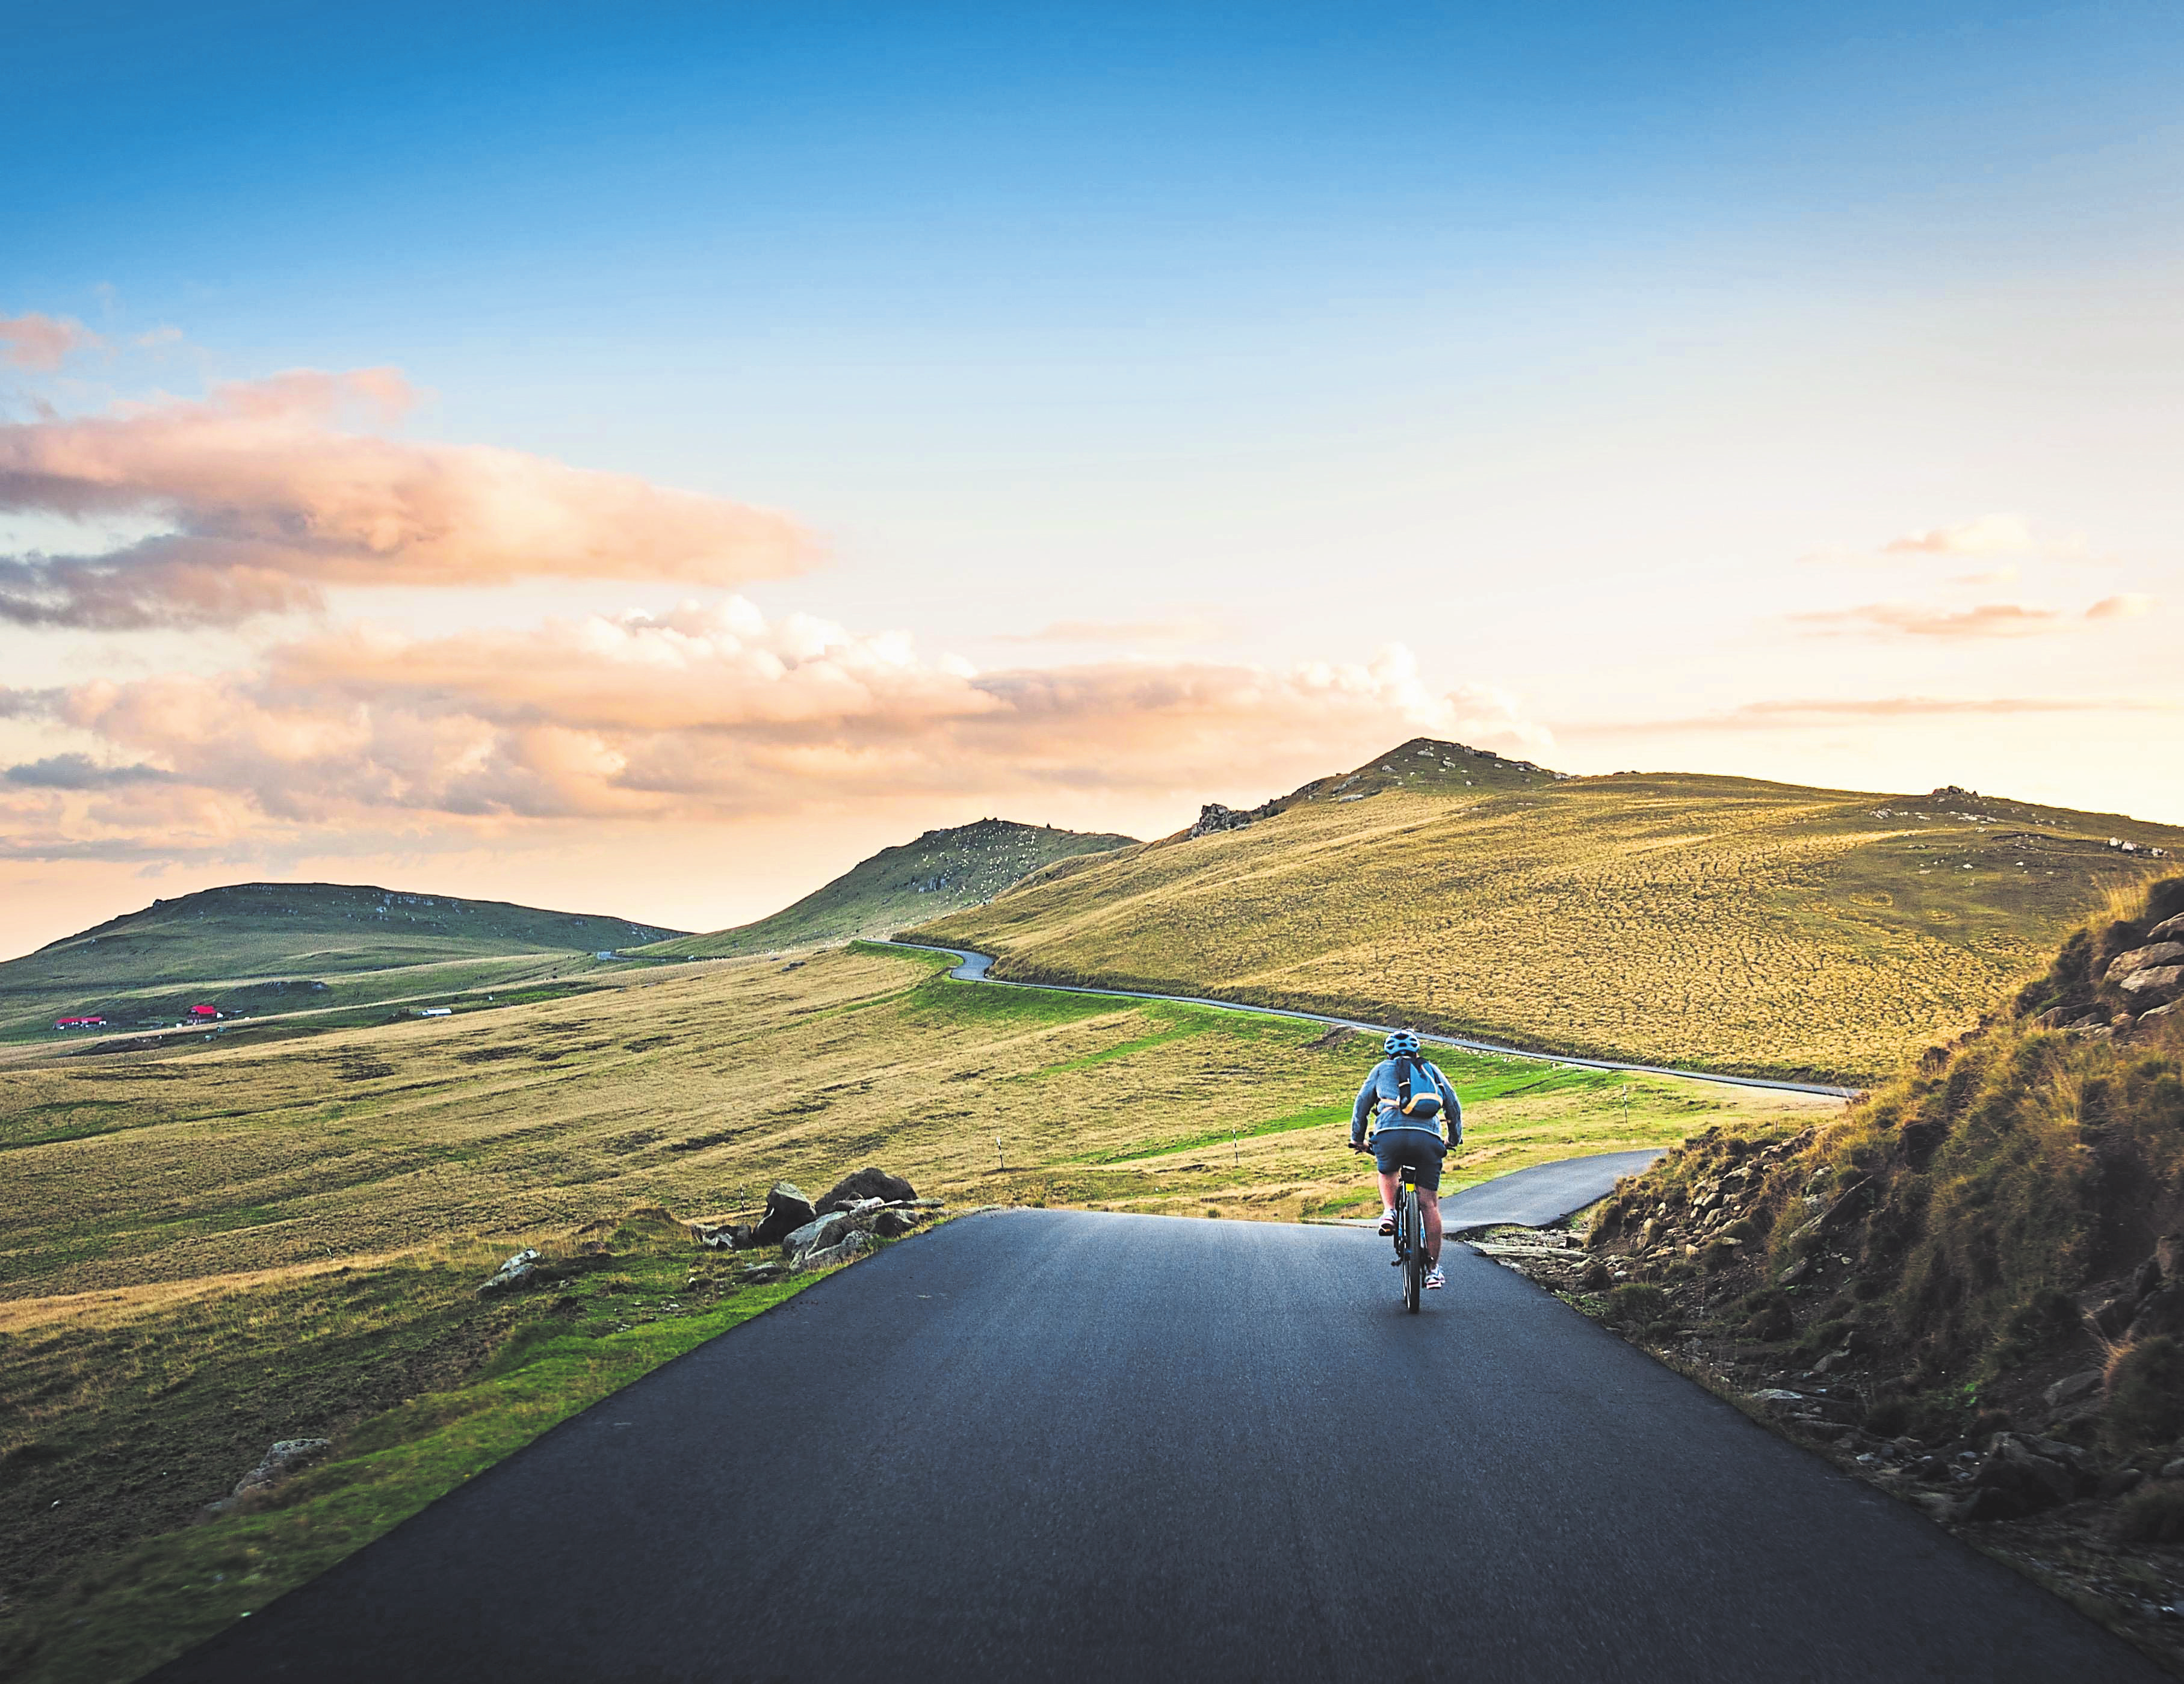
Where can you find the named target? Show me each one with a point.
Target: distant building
(609, 954)
(435, 1011)
(204, 1013)
(80, 1023)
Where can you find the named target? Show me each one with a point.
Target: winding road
(1068, 1445)
(974, 966)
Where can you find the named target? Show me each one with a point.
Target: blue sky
(1543, 340)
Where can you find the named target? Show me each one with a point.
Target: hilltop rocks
(1213, 817)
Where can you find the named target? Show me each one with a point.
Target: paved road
(1533, 1197)
(1068, 1445)
(972, 966)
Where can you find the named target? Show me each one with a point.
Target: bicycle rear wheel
(1414, 1250)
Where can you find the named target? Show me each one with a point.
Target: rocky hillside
(942, 871)
(1970, 1290)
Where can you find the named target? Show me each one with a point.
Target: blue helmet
(1400, 1042)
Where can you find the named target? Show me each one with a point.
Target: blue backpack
(1424, 1103)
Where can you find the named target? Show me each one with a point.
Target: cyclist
(1412, 1098)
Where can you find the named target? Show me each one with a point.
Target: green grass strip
(137, 1610)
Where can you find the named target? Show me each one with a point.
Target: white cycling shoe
(1388, 1220)
(1436, 1279)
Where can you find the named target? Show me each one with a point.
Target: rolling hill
(259, 947)
(1717, 922)
(942, 871)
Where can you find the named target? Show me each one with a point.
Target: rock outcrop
(1213, 818)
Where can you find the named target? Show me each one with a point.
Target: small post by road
(1236, 1145)
(999, 1157)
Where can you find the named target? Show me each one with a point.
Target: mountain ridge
(1698, 921)
(260, 942)
(956, 866)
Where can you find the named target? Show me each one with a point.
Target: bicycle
(1411, 1241)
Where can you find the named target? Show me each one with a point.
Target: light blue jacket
(1381, 1092)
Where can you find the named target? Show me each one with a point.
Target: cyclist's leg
(1429, 1162)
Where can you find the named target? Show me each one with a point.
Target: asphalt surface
(1529, 1198)
(972, 966)
(1068, 1445)
(1545, 1193)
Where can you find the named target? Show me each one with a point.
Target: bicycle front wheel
(1414, 1256)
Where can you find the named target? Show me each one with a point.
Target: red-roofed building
(204, 1012)
(80, 1023)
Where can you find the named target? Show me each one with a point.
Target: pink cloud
(2130, 605)
(1989, 535)
(43, 342)
(270, 500)
(1989, 619)
(1770, 715)
(1182, 629)
(708, 714)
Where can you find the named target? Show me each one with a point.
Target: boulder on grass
(787, 1210)
(516, 1273)
(816, 1235)
(285, 1456)
(853, 1245)
(865, 1183)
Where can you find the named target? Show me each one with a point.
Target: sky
(642, 460)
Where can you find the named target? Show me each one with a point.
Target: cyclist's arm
(1363, 1108)
(1452, 1107)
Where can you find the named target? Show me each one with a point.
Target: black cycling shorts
(1421, 1148)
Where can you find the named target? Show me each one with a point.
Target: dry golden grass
(1710, 922)
(213, 1246)
(695, 1091)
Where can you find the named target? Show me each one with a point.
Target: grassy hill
(1719, 922)
(942, 871)
(213, 1246)
(260, 947)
